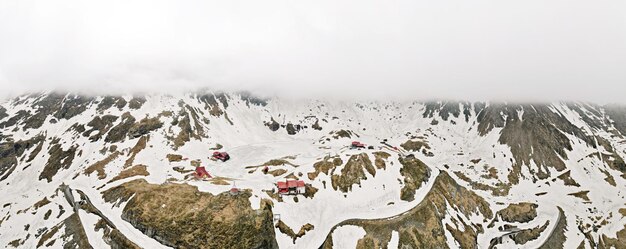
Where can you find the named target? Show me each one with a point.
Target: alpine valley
(139, 171)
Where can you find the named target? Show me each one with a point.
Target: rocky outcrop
(326, 166)
(144, 127)
(422, 226)
(59, 159)
(353, 172)
(534, 133)
(108, 101)
(136, 102)
(101, 125)
(119, 132)
(415, 173)
(518, 212)
(178, 215)
(10, 152)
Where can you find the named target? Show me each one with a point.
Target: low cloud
(485, 49)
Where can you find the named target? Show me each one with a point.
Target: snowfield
(455, 145)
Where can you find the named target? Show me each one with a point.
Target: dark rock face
(144, 127)
(273, 125)
(101, 125)
(534, 133)
(3, 113)
(8, 158)
(291, 129)
(251, 99)
(136, 102)
(10, 152)
(118, 133)
(617, 113)
(59, 159)
(55, 105)
(446, 108)
(72, 106)
(211, 103)
(108, 101)
(180, 216)
(21, 114)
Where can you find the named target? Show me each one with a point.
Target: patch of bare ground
(622, 211)
(415, 173)
(379, 159)
(417, 146)
(139, 146)
(274, 195)
(581, 195)
(518, 212)
(277, 172)
(567, 179)
(275, 162)
(47, 235)
(492, 173)
(609, 178)
(41, 203)
(283, 228)
(188, 120)
(618, 242)
(413, 145)
(422, 227)
(500, 188)
(342, 134)
(353, 172)
(326, 166)
(174, 157)
(178, 215)
(59, 159)
(218, 180)
(137, 170)
(100, 165)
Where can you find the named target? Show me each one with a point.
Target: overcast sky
(481, 49)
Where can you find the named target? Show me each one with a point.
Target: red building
(202, 173)
(291, 187)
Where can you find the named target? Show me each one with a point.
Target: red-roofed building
(202, 173)
(292, 187)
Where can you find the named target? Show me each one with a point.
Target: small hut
(202, 173)
(291, 187)
(234, 190)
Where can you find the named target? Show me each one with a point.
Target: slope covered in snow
(118, 171)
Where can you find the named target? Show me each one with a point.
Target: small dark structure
(357, 145)
(222, 156)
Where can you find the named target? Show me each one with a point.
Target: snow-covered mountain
(118, 172)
